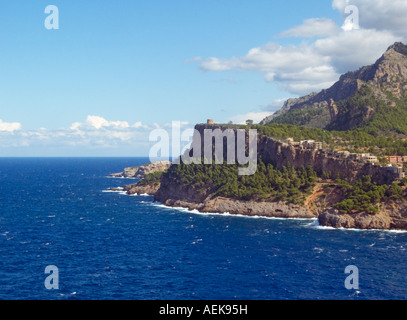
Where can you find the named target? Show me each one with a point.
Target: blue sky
(120, 66)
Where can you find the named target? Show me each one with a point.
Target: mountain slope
(360, 99)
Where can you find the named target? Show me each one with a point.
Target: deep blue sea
(112, 246)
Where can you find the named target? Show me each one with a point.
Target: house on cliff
(396, 159)
(396, 172)
(305, 144)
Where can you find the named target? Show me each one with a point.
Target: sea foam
(226, 214)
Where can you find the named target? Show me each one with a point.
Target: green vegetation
(299, 117)
(284, 131)
(151, 179)
(377, 117)
(364, 123)
(267, 184)
(365, 196)
(356, 140)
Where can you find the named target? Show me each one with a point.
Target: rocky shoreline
(134, 189)
(225, 205)
(245, 208)
(390, 217)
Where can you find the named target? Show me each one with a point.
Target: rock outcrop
(290, 103)
(140, 171)
(240, 207)
(391, 216)
(141, 190)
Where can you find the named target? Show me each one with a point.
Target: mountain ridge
(385, 81)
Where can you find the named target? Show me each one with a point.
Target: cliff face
(171, 191)
(280, 154)
(140, 190)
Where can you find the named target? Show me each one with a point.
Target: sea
(58, 214)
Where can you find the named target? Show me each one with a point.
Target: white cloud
(99, 122)
(95, 131)
(351, 50)
(94, 134)
(255, 116)
(312, 66)
(9, 126)
(271, 58)
(316, 27)
(95, 123)
(138, 125)
(297, 68)
(75, 126)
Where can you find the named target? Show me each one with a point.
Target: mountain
(373, 98)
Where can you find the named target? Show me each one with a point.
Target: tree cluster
(365, 196)
(267, 184)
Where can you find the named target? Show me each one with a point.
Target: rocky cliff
(140, 171)
(280, 154)
(390, 217)
(141, 190)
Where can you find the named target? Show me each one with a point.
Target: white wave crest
(226, 214)
(316, 225)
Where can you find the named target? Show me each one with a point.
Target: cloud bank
(95, 133)
(312, 66)
(9, 126)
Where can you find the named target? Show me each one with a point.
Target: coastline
(228, 214)
(390, 218)
(221, 204)
(319, 203)
(243, 208)
(196, 208)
